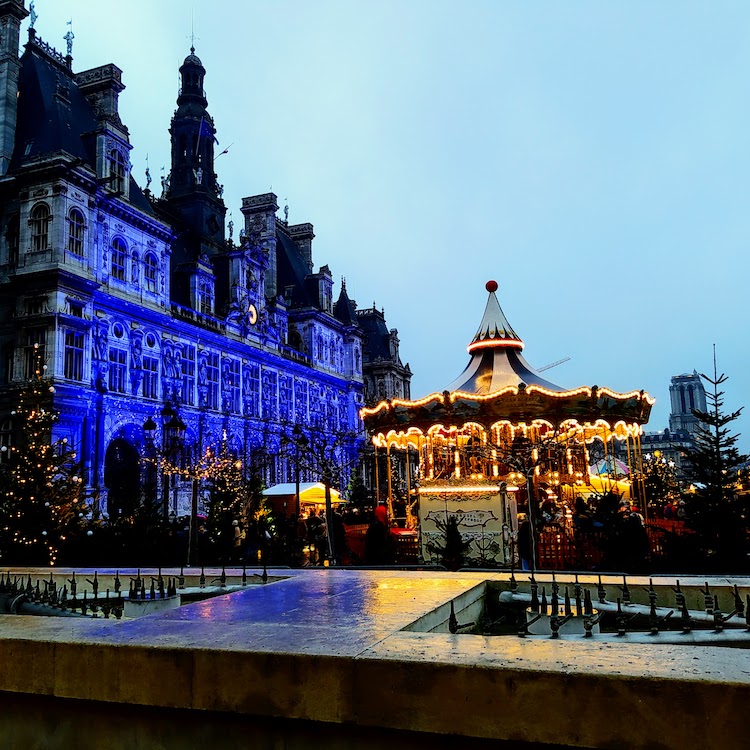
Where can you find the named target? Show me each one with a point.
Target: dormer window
(205, 297)
(40, 218)
(117, 171)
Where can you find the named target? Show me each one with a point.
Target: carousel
(502, 439)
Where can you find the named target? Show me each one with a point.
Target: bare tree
(328, 456)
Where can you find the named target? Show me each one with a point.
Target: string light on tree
(43, 500)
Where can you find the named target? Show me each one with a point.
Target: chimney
(12, 12)
(260, 225)
(303, 235)
(102, 86)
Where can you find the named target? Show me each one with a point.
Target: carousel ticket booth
(502, 439)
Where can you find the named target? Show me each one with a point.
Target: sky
(591, 157)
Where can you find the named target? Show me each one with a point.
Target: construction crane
(553, 364)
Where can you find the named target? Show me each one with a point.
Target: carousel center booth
(501, 440)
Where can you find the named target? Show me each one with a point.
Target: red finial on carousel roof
(494, 330)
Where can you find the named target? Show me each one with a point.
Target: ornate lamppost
(150, 479)
(299, 441)
(172, 441)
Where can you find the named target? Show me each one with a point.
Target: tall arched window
(117, 170)
(75, 232)
(119, 253)
(40, 218)
(151, 272)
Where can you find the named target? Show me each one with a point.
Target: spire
(193, 136)
(192, 189)
(344, 309)
(494, 330)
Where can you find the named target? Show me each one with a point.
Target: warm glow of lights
(475, 489)
(587, 431)
(495, 344)
(508, 390)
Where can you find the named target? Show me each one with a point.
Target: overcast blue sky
(592, 157)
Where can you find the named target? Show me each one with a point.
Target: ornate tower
(193, 195)
(12, 12)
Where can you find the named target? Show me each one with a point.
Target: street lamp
(172, 438)
(299, 439)
(531, 497)
(174, 435)
(149, 430)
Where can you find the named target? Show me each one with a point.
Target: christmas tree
(660, 481)
(451, 550)
(43, 504)
(715, 510)
(235, 499)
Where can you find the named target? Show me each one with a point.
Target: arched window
(151, 272)
(75, 232)
(119, 253)
(117, 171)
(40, 218)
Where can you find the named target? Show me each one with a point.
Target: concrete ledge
(330, 647)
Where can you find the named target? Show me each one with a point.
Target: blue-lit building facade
(139, 305)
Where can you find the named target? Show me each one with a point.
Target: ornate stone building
(384, 374)
(686, 392)
(142, 309)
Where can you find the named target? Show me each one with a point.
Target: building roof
(377, 341)
(193, 59)
(55, 117)
(291, 271)
(344, 309)
(53, 114)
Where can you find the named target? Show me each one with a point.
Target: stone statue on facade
(100, 342)
(69, 37)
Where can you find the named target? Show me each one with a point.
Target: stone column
(12, 12)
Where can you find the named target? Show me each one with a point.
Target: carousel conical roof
(496, 359)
